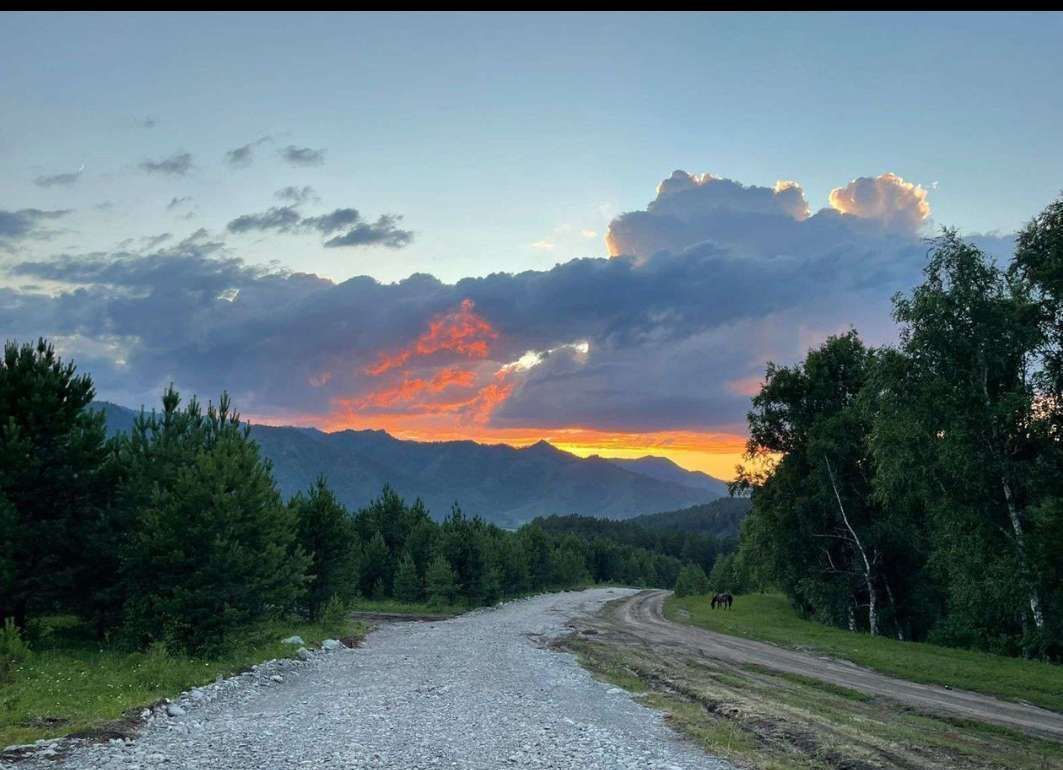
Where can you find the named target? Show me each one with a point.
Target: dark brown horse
(722, 600)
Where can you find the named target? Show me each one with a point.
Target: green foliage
(916, 491)
(441, 582)
(327, 534)
(214, 547)
(13, 650)
(53, 480)
(73, 683)
(407, 582)
(335, 612)
(691, 582)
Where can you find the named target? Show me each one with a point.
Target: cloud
(887, 199)
(59, 180)
(241, 157)
(710, 281)
(177, 202)
(383, 232)
(26, 223)
(178, 164)
(345, 225)
(302, 156)
(297, 195)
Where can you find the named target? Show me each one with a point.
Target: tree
(441, 583)
(215, 547)
(971, 337)
(407, 581)
(53, 475)
(815, 525)
(327, 535)
(691, 581)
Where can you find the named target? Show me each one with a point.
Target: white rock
(296, 640)
(303, 653)
(331, 644)
(613, 691)
(276, 678)
(174, 710)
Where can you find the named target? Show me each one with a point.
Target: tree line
(174, 532)
(916, 489)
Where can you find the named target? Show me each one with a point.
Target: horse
(722, 600)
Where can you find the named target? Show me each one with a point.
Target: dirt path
(640, 619)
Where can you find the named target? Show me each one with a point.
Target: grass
(72, 684)
(758, 718)
(769, 618)
(393, 606)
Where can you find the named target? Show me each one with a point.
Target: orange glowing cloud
(460, 331)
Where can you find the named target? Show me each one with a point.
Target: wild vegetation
(916, 490)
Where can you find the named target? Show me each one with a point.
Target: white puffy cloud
(886, 199)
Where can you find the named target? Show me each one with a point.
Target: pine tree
(327, 534)
(407, 582)
(52, 474)
(441, 583)
(215, 547)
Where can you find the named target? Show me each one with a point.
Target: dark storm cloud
(59, 180)
(302, 156)
(345, 225)
(178, 164)
(674, 335)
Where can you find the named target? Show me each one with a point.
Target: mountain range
(502, 484)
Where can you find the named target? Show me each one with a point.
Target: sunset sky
(593, 229)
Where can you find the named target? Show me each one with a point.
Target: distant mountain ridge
(503, 484)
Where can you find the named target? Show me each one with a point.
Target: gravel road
(640, 620)
(477, 691)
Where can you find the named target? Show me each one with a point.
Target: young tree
(53, 475)
(327, 534)
(441, 583)
(407, 581)
(215, 547)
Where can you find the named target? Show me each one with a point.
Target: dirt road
(640, 619)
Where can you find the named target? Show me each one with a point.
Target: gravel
(478, 691)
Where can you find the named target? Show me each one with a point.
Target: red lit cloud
(460, 331)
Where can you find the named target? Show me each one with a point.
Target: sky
(594, 229)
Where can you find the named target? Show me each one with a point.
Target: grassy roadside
(395, 607)
(71, 684)
(769, 618)
(760, 719)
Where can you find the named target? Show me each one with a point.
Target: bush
(13, 650)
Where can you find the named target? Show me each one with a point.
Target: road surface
(640, 619)
(480, 691)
